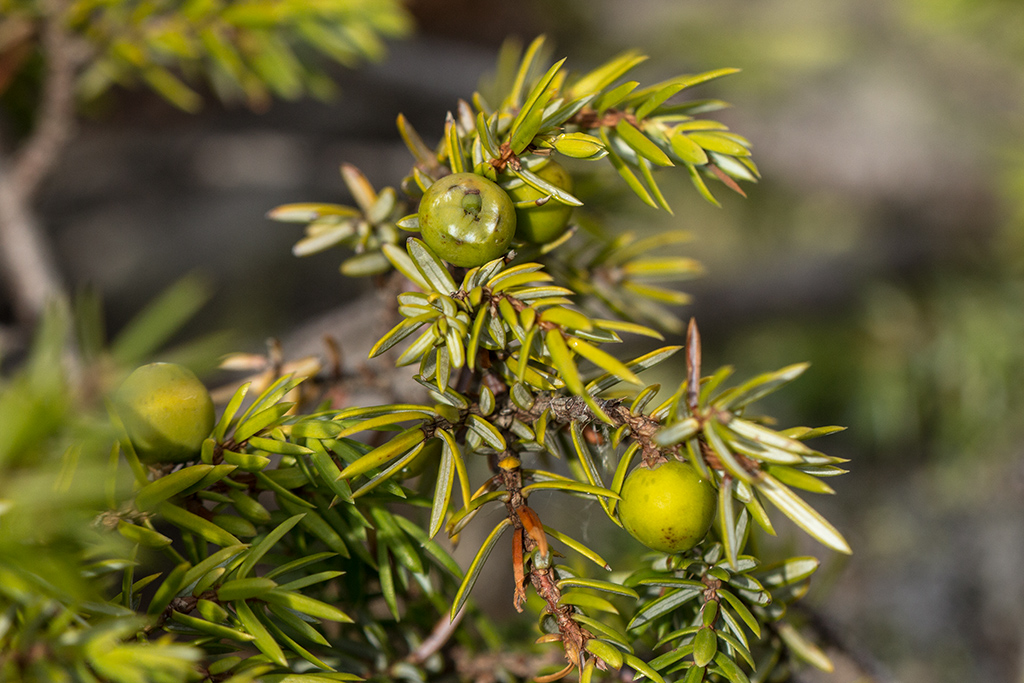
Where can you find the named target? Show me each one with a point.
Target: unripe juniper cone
(547, 222)
(668, 507)
(166, 411)
(467, 219)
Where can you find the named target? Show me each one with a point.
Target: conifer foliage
(308, 541)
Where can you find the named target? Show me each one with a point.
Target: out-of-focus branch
(443, 631)
(56, 117)
(29, 266)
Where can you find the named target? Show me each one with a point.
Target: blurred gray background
(884, 245)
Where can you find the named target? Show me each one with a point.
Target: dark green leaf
(391, 535)
(798, 479)
(431, 267)
(486, 431)
(168, 589)
(191, 522)
(329, 472)
(282, 492)
(713, 437)
(662, 581)
(245, 589)
(641, 144)
(473, 573)
(688, 150)
(606, 74)
(261, 548)
(598, 585)
(305, 605)
(587, 601)
(314, 523)
(604, 360)
(562, 359)
(403, 263)
(300, 563)
(278, 446)
(386, 575)
(677, 432)
(203, 570)
(443, 559)
(802, 514)
(218, 631)
(229, 412)
(258, 422)
(717, 142)
(610, 655)
(399, 332)
(583, 452)
(667, 659)
(270, 396)
(319, 677)
(442, 491)
(385, 452)
(578, 547)
(705, 646)
(727, 527)
(643, 667)
(626, 173)
(570, 487)
(649, 360)
(666, 603)
(730, 669)
(527, 121)
(803, 648)
(614, 96)
(760, 386)
(603, 630)
(142, 535)
(742, 611)
(166, 487)
(263, 640)
(788, 572)
(702, 188)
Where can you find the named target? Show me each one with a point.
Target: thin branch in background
(29, 264)
(29, 268)
(37, 157)
(443, 631)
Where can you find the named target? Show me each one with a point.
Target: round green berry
(428, 459)
(167, 412)
(668, 507)
(547, 222)
(467, 219)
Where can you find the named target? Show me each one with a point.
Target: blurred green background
(885, 245)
